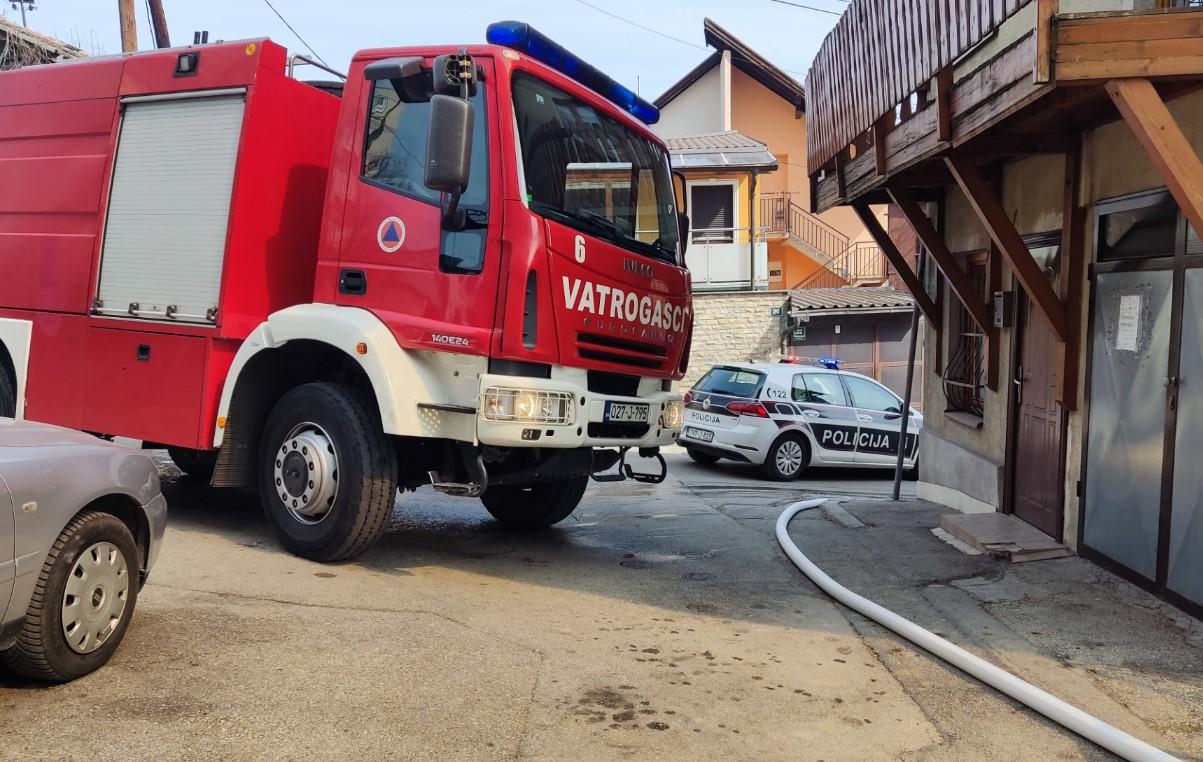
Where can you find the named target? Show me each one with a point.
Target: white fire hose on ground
(1085, 725)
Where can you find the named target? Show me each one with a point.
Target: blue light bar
(829, 362)
(526, 39)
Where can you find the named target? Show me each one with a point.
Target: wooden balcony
(899, 84)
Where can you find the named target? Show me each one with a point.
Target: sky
(787, 35)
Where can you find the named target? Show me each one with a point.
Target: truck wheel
(197, 465)
(8, 395)
(82, 603)
(704, 458)
(787, 458)
(328, 473)
(535, 506)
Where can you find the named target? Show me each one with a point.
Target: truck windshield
(587, 170)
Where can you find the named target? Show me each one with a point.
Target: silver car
(787, 416)
(81, 520)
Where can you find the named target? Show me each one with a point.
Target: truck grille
(618, 430)
(613, 384)
(636, 354)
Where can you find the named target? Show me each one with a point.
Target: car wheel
(787, 458)
(82, 602)
(705, 458)
(535, 506)
(8, 395)
(327, 472)
(197, 465)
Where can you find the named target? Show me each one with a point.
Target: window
(587, 170)
(712, 213)
(1139, 227)
(964, 377)
(798, 392)
(870, 396)
(734, 382)
(824, 389)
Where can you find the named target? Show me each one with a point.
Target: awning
(730, 150)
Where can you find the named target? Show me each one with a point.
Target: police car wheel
(787, 458)
(704, 458)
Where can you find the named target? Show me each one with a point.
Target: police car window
(824, 389)
(869, 396)
(798, 392)
(735, 382)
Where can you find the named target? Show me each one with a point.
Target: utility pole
(158, 21)
(129, 29)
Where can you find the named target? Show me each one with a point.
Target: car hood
(29, 434)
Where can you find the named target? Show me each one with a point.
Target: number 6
(580, 249)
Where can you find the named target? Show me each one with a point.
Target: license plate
(701, 435)
(626, 412)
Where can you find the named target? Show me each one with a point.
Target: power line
(295, 33)
(811, 7)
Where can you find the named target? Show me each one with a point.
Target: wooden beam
(1046, 14)
(129, 25)
(944, 104)
(1161, 138)
(880, 130)
(962, 288)
(158, 20)
(909, 279)
(840, 183)
(1073, 274)
(993, 333)
(994, 219)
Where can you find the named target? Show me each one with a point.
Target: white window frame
(735, 215)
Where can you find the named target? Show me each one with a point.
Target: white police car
(787, 416)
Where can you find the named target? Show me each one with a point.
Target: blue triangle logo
(390, 235)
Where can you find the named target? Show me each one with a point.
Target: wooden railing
(779, 214)
(879, 54)
(861, 262)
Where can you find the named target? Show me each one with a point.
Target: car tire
(535, 506)
(328, 473)
(704, 458)
(94, 542)
(787, 458)
(197, 465)
(8, 395)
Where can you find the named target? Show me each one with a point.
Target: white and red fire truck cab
(203, 253)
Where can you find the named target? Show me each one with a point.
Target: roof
(21, 46)
(720, 150)
(849, 299)
(743, 58)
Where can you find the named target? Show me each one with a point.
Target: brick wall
(734, 327)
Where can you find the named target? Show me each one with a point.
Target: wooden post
(129, 26)
(994, 218)
(1161, 138)
(909, 279)
(1073, 256)
(957, 278)
(1046, 14)
(879, 145)
(158, 20)
(943, 104)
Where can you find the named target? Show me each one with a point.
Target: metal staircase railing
(858, 264)
(779, 214)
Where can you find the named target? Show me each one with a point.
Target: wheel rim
(306, 473)
(789, 457)
(95, 599)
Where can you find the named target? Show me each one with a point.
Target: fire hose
(1086, 725)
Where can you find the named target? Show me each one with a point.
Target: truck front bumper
(580, 419)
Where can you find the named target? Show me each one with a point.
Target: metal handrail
(301, 58)
(862, 260)
(790, 218)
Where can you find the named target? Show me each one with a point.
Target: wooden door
(1038, 483)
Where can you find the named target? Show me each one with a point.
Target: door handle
(811, 413)
(353, 282)
(864, 418)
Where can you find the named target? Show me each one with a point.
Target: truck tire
(535, 506)
(327, 472)
(197, 465)
(76, 619)
(787, 459)
(8, 395)
(702, 458)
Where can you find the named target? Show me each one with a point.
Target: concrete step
(1003, 535)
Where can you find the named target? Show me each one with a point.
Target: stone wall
(734, 327)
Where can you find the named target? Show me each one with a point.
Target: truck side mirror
(683, 230)
(679, 189)
(411, 82)
(449, 150)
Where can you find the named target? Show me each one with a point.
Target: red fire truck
(466, 270)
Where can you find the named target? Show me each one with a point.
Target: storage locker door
(165, 234)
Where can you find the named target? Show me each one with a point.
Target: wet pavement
(657, 621)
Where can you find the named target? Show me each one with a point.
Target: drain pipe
(1088, 726)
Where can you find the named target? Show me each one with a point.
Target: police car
(786, 416)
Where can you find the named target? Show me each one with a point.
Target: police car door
(825, 409)
(880, 415)
(8, 563)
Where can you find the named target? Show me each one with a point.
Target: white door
(715, 257)
(165, 233)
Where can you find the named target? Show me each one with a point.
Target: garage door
(169, 205)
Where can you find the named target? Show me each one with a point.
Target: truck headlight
(528, 406)
(674, 414)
